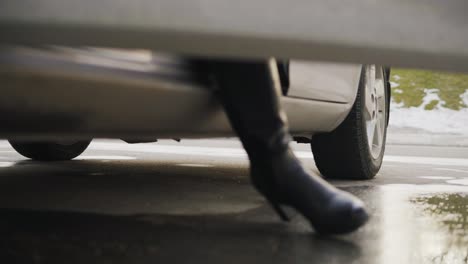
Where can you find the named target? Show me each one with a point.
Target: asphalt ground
(192, 202)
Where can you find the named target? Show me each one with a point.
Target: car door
(321, 81)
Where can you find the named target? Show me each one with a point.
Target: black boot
(249, 94)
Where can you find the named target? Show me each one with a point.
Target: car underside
(56, 99)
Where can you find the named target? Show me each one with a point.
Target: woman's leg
(249, 93)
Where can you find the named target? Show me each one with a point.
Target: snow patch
(464, 97)
(438, 120)
(396, 77)
(394, 84)
(432, 95)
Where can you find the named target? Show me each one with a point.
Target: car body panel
(324, 81)
(417, 33)
(67, 93)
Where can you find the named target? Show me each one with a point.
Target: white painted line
(5, 164)
(436, 177)
(170, 149)
(195, 165)
(240, 153)
(454, 170)
(96, 174)
(103, 157)
(424, 189)
(459, 181)
(427, 160)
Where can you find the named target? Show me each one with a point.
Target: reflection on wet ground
(422, 223)
(450, 213)
(137, 211)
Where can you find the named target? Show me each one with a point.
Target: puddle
(447, 212)
(424, 223)
(449, 209)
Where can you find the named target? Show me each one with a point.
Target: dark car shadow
(32, 236)
(141, 211)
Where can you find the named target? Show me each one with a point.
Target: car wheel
(50, 151)
(356, 148)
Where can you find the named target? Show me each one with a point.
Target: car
(57, 99)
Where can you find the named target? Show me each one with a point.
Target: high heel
(285, 183)
(249, 92)
(279, 211)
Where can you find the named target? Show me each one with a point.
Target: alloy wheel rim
(375, 110)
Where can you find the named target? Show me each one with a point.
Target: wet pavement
(192, 203)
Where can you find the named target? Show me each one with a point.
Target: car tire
(353, 150)
(50, 151)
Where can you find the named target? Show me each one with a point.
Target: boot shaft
(249, 92)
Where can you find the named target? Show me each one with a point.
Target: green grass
(412, 84)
